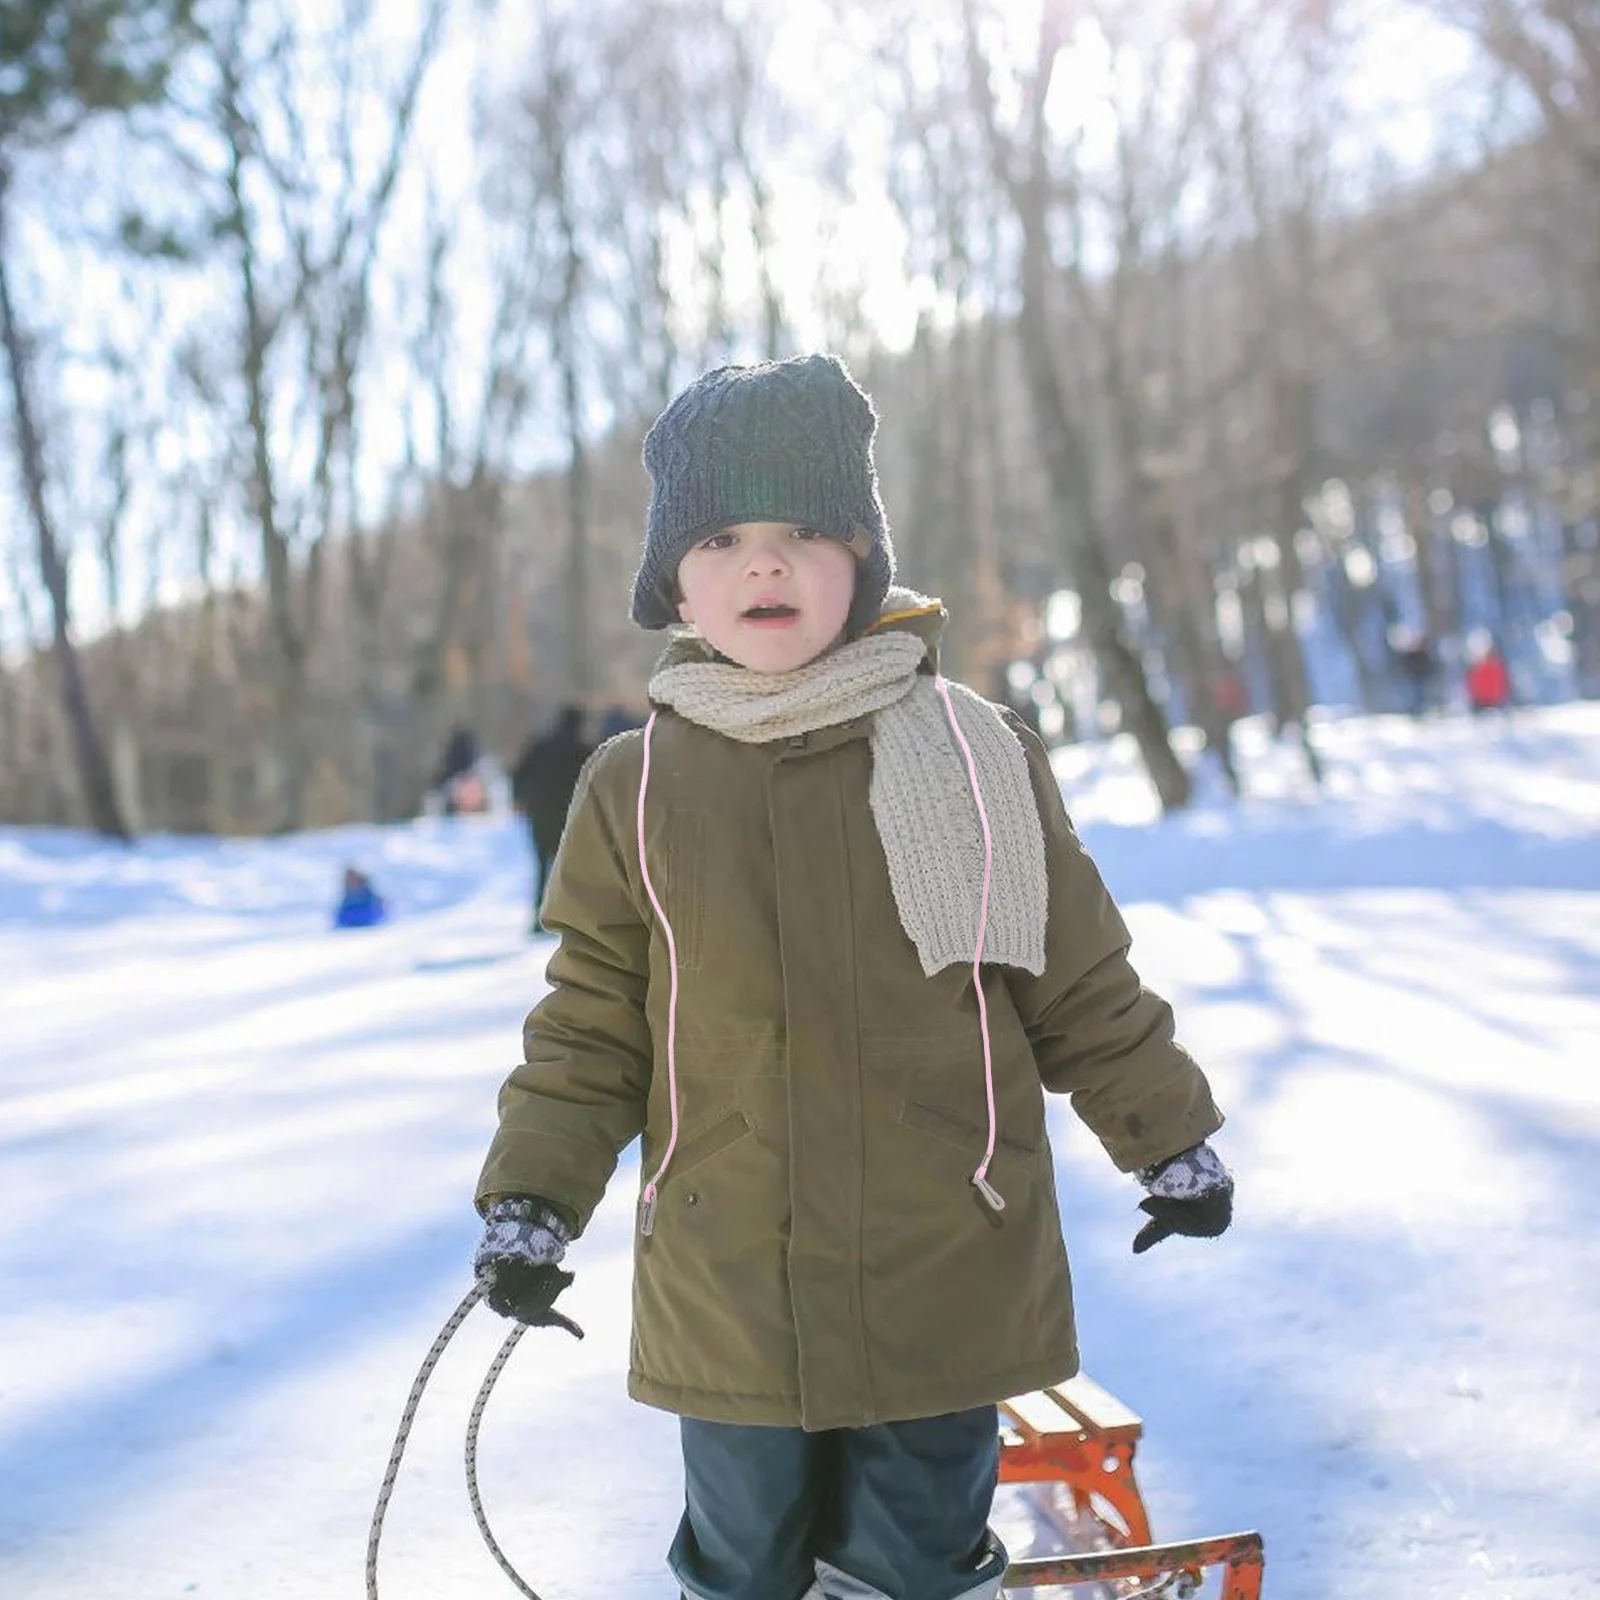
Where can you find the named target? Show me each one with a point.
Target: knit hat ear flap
(781, 441)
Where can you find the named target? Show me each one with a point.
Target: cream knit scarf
(920, 794)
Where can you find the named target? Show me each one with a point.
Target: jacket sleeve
(580, 1094)
(1098, 1034)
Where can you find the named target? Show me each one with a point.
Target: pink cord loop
(647, 1209)
(980, 1178)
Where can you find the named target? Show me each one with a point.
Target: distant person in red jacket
(1488, 681)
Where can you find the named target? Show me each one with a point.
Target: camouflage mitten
(1190, 1193)
(517, 1260)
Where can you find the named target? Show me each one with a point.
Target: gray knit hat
(783, 441)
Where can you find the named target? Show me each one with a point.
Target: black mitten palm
(517, 1260)
(1190, 1193)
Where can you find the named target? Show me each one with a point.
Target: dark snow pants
(543, 839)
(898, 1511)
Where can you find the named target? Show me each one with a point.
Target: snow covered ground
(237, 1151)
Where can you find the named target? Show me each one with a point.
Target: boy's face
(769, 595)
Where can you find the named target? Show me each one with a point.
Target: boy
(826, 935)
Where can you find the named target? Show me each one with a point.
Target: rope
(495, 1368)
(408, 1416)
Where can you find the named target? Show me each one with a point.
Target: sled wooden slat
(1098, 1409)
(1042, 1415)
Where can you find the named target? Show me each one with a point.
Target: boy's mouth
(770, 613)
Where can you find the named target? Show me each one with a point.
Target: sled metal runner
(1238, 1554)
(1079, 1440)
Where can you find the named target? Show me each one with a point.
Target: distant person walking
(1413, 656)
(1230, 701)
(457, 781)
(542, 784)
(618, 719)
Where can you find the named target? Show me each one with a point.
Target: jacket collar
(906, 611)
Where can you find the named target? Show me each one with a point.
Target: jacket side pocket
(959, 1132)
(709, 1142)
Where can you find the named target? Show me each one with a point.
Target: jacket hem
(790, 1411)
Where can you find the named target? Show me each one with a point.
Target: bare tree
(637, 128)
(313, 294)
(1552, 48)
(119, 59)
(1276, 118)
(465, 464)
(1038, 171)
(559, 107)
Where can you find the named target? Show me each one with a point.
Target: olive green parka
(819, 1256)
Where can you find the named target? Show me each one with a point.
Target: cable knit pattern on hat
(782, 441)
(920, 796)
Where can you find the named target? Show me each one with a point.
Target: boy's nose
(768, 558)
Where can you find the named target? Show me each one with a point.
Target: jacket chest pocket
(685, 896)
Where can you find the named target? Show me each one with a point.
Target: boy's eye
(718, 541)
(807, 533)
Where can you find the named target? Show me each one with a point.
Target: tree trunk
(1067, 469)
(293, 740)
(1024, 175)
(1433, 579)
(575, 572)
(94, 772)
(1191, 626)
(1291, 585)
(291, 641)
(580, 654)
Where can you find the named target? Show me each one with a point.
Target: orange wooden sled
(1076, 1441)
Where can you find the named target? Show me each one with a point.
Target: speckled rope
(484, 1390)
(408, 1415)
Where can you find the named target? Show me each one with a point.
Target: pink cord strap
(647, 1212)
(980, 1178)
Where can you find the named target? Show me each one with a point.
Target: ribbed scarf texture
(920, 793)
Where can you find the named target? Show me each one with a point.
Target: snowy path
(236, 1154)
